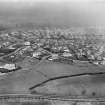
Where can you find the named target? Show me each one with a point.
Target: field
(21, 81)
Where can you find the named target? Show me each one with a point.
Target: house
(53, 56)
(91, 57)
(27, 43)
(36, 54)
(65, 49)
(102, 62)
(67, 54)
(96, 62)
(8, 66)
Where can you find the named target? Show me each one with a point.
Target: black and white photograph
(52, 52)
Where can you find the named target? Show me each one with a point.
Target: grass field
(20, 81)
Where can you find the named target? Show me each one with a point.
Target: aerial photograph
(52, 52)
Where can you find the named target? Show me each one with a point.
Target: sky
(71, 12)
(52, 0)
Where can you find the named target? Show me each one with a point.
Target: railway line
(38, 98)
